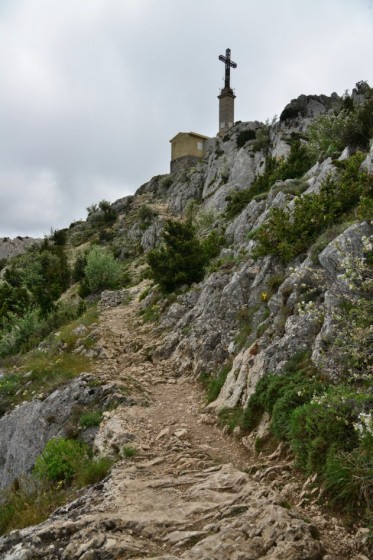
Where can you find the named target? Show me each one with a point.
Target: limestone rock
(368, 162)
(236, 518)
(11, 247)
(25, 431)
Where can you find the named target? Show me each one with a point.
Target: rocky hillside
(11, 247)
(275, 322)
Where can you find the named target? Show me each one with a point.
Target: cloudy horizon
(93, 90)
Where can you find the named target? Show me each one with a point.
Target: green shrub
(262, 138)
(348, 479)
(231, 417)
(325, 238)
(167, 181)
(102, 271)
(328, 427)
(237, 200)
(92, 471)
(29, 504)
(79, 266)
(45, 372)
(213, 385)
(129, 451)
(298, 373)
(145, 215)
(59, 236)
(150, 313)
(326, 134)
(314, 428)
(212, 244)
(296, 187)
(274, 282)
(329, 134)
(90, 419)
(33, 498)
(295, 393)
(40, 276)
(102, 213)
(104, 236)
(288, 233)
(20, 334)
(61, 460)
(180, 260)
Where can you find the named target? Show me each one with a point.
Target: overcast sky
(91, 91)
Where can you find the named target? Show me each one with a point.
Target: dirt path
(184, 494)
(174, 407)
(172, 433)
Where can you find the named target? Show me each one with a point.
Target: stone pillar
(226, 110)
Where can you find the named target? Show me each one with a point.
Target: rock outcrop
(11, 247)
(25, 430)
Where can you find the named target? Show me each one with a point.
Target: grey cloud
(91, 96)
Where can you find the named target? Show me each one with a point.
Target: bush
(102, 213)
(129, 451)
(19, 334)
(180, 260)
(59, 236)
(79, 267)
(102, 271)
(33, 498)
(46, 372)
(39, 276)
(329, 134)
(30, 503)
(212, 244)
(244, 136)
(292, 396)
(314, 429)
(213, 385)
(348, 479)
(326, 134)
(288, 233)
(61, 460)
(262, 138)
(90, 419)
(298, 372)
(237, 200)
(329, 429)
(93, 470)
(231, 417)
(145, 214)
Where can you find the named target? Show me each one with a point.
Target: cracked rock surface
(184, 494)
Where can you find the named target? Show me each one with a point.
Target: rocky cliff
(11, 247)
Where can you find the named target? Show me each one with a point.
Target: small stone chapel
(187, 148)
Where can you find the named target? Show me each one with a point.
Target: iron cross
(228, 64)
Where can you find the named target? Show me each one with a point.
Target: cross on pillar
(228, 65)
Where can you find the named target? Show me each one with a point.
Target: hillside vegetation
(259, 264)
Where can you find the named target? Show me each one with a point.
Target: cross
(228, 64)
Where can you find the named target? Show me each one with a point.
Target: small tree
(180, 260)
(102, 270)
